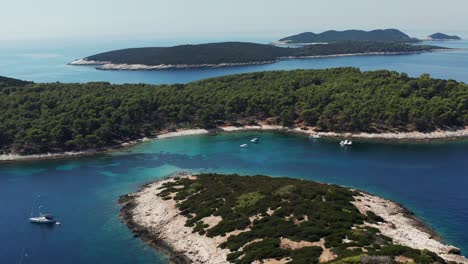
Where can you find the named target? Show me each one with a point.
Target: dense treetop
(5, 81)
(51, 117)
(441, 36)
(211, 53)
(356, 35)
(273, 211)
(241, 52)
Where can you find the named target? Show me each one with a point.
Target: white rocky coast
(461, 133)
(155, 219)
(410, 136)
(404, 228)
(85, 61)
(108, 66)
(160, 223)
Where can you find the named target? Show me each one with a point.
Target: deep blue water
(430, 179)
(47, 63)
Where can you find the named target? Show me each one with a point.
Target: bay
(429, 178)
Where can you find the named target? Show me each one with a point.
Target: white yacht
(315, 136)
(43, 219)
(255, 140)
(244, 145)
(346, 143)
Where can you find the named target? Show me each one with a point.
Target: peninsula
(441, 36)
(215, 219)
(61, 118)
(386, 35)
(226, 54)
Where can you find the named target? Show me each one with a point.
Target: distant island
(39, 118)
(236, 54)
(441, 36)
(5, 81)
(218, 219)
(349, 35)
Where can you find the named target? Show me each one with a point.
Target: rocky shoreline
(170, 236)
(128, 205)
(405, 228)
(447, 135)
(109, 66)
(159, 223)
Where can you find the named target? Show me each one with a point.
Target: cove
(428, 178)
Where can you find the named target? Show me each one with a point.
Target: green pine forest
(244, 52)
(300, 210)
(54, 117)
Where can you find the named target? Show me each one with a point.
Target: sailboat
(43, 218)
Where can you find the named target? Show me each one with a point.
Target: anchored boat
(43, 219)
(346, 143)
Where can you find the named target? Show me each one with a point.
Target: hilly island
(388, 35)
(40, 118)
(215, 219)
(442, 36)
(238, 53)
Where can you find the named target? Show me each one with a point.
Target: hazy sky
(68, 19)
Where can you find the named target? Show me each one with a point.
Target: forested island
(441, 36)
(387, 35)
(216, 219)
(58, 117)
(236, 54)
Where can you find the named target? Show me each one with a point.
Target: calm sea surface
(430, 179)
(46, 64)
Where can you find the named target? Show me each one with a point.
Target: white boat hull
(41, 220)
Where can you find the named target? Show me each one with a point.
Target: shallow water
(430, 179)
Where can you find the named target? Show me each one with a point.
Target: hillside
(211, 53)
(363, 47)
(6, 82)
(355, 35)
(232, 54)
(216, 219)
(55, 117)
(441, 36)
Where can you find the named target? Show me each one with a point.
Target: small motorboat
(43, 219)
(346, 143)
(255, 140)
(315, 136)
(244, 145)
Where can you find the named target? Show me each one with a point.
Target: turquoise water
(47, 63)
(430, 179)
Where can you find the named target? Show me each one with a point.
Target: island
(212, 55)
(215, 219)
(41, 118)
(441, 36)
(392, 35)
(5, 81)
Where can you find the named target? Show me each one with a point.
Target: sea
(430, 179)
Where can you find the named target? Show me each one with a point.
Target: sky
(120, 19)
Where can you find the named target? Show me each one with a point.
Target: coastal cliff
(210, 218)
